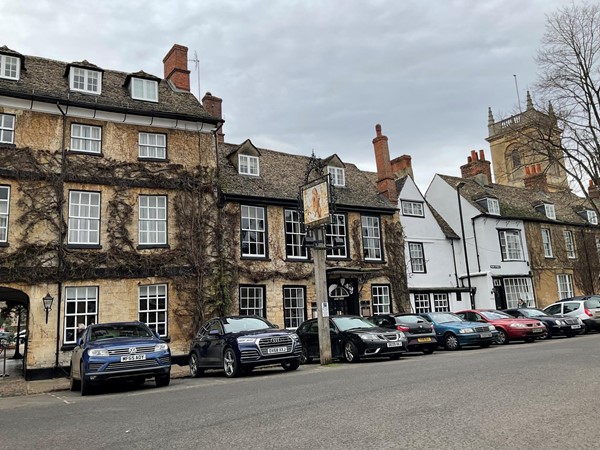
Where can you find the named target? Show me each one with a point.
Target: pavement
(12, 382)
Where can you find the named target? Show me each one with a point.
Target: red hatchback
(509, 328)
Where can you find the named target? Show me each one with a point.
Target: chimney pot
(482, 155)
(175, 65)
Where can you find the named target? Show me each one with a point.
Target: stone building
(101, 173)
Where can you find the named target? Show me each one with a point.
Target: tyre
(289, 366)
(546, 336)
(451, 342)
(585, 329)
(230, 364)
(162, 380)
(195, 369)
(351, 352)
(74, 384)
(395, 357)
(305, 358)
(428, 350)
(502, 337)
(485, 344)
(86, 385)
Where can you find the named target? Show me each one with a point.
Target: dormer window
(10, 67)
(248, 165)
(592, 217)
(549, 210)
(85, 80)
(142, 89)
(493, 206)
(337, 174)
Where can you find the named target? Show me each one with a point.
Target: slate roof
(520, 202)
(45, 79)
(282, 174)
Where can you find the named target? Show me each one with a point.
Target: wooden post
(319, 253)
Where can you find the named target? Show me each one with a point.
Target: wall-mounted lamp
(48, 299)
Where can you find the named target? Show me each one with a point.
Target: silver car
(586, 308)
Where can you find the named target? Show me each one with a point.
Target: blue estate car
(119, 350)
(453, 332)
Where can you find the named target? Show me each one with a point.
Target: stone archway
(14, 306)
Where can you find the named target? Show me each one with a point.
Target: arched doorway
(14, 319)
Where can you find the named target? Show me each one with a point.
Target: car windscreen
(444, 317)
(349, 323)
(240, 324)
(410, 319)
(118, 331)
(534, 313)
(493, 315)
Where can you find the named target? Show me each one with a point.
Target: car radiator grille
(115, 366)
(265, 344)
(571, 321)
(390, 337)
(481, 329)
(125, 350)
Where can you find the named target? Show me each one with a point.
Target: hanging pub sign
(315, 200)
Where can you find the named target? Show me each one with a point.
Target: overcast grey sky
(298, 76)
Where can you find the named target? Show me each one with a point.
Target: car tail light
(588, 312)
(402, 328)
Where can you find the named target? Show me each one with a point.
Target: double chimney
(388, 171)
(477, 167)
(535, 178)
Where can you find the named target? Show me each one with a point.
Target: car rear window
(592, 303)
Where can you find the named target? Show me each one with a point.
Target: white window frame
(152, 219)
(248, 165)
(371, 234)
(84, 218)
(8, 65)
(441, 302)
(86, 138)
(153, 307)
(7, 130)
(148, 91)
(252, 300)
(294, 300)
(493, 206)
(152, 145)
(4, 212)
(381, 299)
(510, 245)
(253, 231)
(547, 243)
(337, 175)
(422, 303)
(570, 244)
(81, 307)
(592, 217)
(564, 283)
(412, 208)
(294, 236)
(550, 211)
(336, 229)
(416, 252)
(89, 79)
(518, 288)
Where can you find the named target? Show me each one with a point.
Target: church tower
(530, 138)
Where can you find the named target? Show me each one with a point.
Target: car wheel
(351, 352)
(547, 335)
(86, 385)
(428, 350)
(291, 365)
(231, 364)
(74, 384)
(305, 358)
(485, 345)
(451, 342)
(585, 329)
(502, 337)
(195, 369)
(162, 380)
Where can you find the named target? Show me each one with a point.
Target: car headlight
(162, 347)
(558, 322)
(466, 330)
(401, 335)
(518, 325)
(246, 340)
(369, 337)
(294, 337)
(492, 328)
(98, 352)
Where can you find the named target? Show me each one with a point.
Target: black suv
(238, 344)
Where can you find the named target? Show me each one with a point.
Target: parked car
(418, 331)
(509, 328)
(238, 344)
(453, 332)
(585, 308)
(119, 350)
(555, 325)
(352, 338)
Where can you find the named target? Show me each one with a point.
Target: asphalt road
(543, 395)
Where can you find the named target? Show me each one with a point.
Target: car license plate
(538, 330)
(132, 358)
(394, 344)
(277, 350)
(424, 340)
(486, 335)
(575, 327)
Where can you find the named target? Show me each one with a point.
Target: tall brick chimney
(385, 178)
(593, 190)
(212, 105)
(402, 165)
(176, 68)
(477, 167)
(535, 178)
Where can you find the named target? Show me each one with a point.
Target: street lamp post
(462, 230)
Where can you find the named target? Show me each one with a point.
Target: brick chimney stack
(212, 105)
(535, 178)
(593, 190)
(385, 178)
(402, 165)
(477, 165)
(176, 67)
